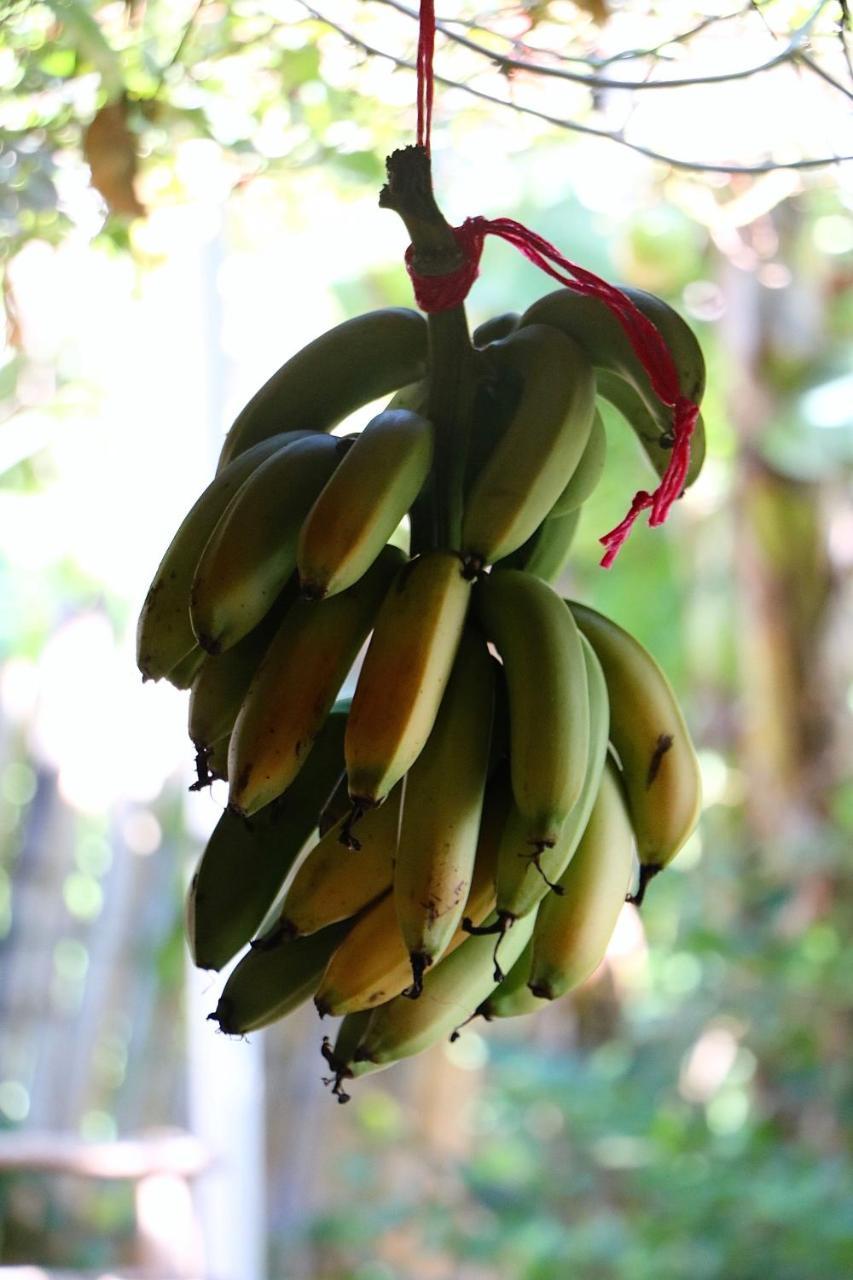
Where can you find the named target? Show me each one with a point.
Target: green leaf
(89, 39)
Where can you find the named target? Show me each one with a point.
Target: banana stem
(452, 358)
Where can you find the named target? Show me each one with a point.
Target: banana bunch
(456, 836)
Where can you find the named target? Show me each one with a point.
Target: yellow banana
(404, 674)
(164, 635)
(246, 860)
(297, 682)
(252, 551)
(351, 365)
(452, 990)
(647, 729)
(363, 501)
(538, 452)
(523, 878)
(372, 965)
(334, 883)
(442, 810)
(572, 931)
(591, 323)
(540, 646)
(266, 985)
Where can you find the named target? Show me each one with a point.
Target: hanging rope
(441, 293)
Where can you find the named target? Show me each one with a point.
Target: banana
(404, 674)
(185, 672)
(591, 323)
(297, 682)
(648, 732)
(513, 998)
(223, 679)
(522, 879)
(572, 931)
(164, 635)
(453, 989)
(495, 328)
(646, 428)
(339, 1057)
(351, 365)
(372, 965)
(246, 860)
(252, 551)
(547, 552)
(442, 810)
(363, 501)
(541, 447)
(334, 883)
(587, 473)
(266, 985)
(540, 646)
(336, 807)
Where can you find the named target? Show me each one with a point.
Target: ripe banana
(266, 985)
(372, 965)
(164, 635)
(404, 674)
(453, 989)
(572, 931)
(524, 879)
(442, 810)
(647, 729)
(538, 452)
(246, 861)
(363, 502)
(297, 682)
(334, 883)
(252, 551)
(535, 635)
(351, 365)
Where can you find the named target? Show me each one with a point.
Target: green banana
(185, 672)
(646, 427)
(587, 473)
(246, 861)
(591, 323)
(339, 1057)
(540, 646)
(539, 450)
(334, 883)
(572, 930)
(252, 551)
(363, 501)
(442, 810)
(164, 635)
(524, 879)
(513, 998)
(547, 552)
(266, 985)
(297, 682)
(651, 739)
(452, 990)
(411, 653)
(495, 328)
(350, 365)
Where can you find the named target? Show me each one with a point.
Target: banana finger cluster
(457, 836)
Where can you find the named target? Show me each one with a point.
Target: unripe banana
(297, 682)
(405, 673)
(351, 365)
(523, 878)
(539, 450)
(252, 551)
(572, 931)
(543, 659)
(164, 635)
(586, 474)
(495, 328)
(513, 998)
(548, 551)
(185, 672)
(266, 985)
(246, 860)
(334, 883)
(372, 965)
(647, 729)
(340, 1055)
(646, 427)
(442, 810)
(364, 501)
(220, 686)
(453, 989)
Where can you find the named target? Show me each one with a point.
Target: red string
(441, 293)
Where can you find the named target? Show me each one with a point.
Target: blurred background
(188, 193)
